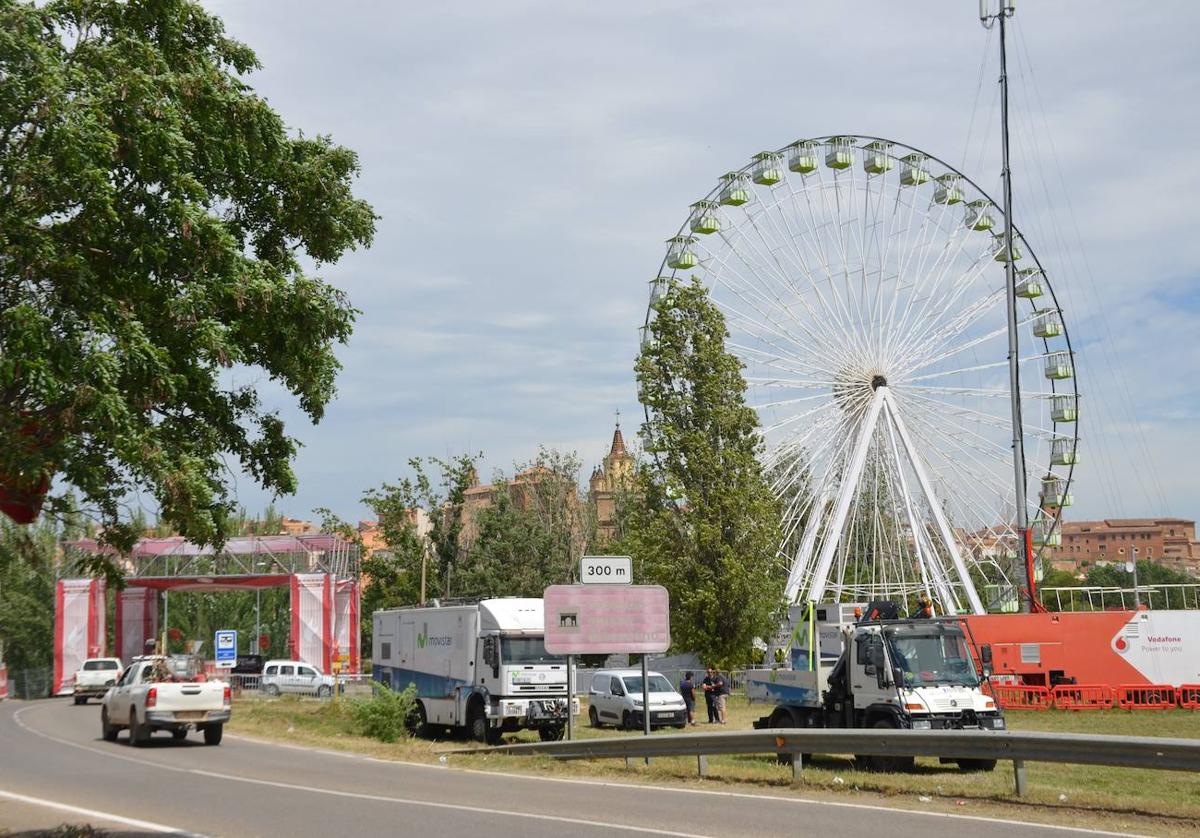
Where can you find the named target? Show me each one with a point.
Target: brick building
(1170, 542)
(612, 476)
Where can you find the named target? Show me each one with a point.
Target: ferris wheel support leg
(803, 557)
(943, 525)
(833, 533)
(923, 561)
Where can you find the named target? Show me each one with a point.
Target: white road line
(771, 798)
(91, 814)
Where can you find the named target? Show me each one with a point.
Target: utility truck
(863, 666)
(480, 668)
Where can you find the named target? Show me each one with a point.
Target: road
(51, 754)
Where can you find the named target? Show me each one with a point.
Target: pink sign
(601, 619)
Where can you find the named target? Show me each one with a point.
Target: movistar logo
(423, 639)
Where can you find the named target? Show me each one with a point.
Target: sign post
(226, 648)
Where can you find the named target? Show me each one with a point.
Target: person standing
(710, 697)
(721, 690)
(687, 689)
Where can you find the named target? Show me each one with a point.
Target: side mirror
(489, 653)
(985, 657)
(876, 656)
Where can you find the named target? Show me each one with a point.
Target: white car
(95, 677)
(615, 698)
(295, 677)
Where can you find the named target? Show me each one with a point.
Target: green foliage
(1148, 573)
(27, 594)
(387, 715)
(154, 214)
(706, 525)
(531, 535)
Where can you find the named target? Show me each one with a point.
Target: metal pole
(1014, 372)
(570, 697)
(257, 621)
(1137, 597)
(645, 701)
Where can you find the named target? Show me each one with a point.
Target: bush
(387, 715)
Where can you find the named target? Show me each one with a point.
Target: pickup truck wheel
(977, 764)
(77, 700)
(108, 731)
(323, 691)
(213, 733)
(179, 733)
(593, 717)
(139, 734)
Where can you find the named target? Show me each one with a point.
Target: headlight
(922, 724)
(637, 702)
(998, 723)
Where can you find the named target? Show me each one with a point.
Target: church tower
(614, 474)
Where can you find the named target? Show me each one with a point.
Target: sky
(528, 160)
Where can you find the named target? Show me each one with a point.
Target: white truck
(480, 668)
(150, 696)
(93, 679)
(877, 670)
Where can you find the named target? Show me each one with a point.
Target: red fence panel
(1083, 697)
(3, 682)
(1021, 697)
(1189, 696)
(1146, 697)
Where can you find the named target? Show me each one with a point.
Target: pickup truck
(95, 677)
(150, 696)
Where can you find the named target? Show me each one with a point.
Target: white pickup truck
(150, 696)
(95, 677)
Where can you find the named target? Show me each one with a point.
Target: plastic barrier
(1021, 697)
(1189, 696)
(1146, 697)
(3, 682)
(1082, 697)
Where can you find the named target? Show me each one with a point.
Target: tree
(154, 218)
(531, 535)
(705, 524)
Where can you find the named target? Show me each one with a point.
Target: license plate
(190, 715)
(663, 715)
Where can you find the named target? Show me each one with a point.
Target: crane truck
(863, 666)
(480, 668)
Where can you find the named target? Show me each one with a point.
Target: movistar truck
(481, 668)
(863, 666)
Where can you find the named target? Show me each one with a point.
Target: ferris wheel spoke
(1003, 422)
(938, 343)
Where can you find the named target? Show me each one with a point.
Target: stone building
(1170, 542)
(614, 474)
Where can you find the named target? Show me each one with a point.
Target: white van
(295, 677)
(615, 698)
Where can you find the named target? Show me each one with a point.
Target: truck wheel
(79, 700)
(479, 725)
(139, 734)
(108, 732)
(977, 764)
(885, 764)
(593, 717)
(418, 722)
(179, 733)
(212, 734)
(550, 734)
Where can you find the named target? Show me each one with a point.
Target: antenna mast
(1007, 8)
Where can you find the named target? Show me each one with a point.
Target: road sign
(605, 619)
(606, 570)
(226, 646)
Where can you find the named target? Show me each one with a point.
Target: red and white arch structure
(321, 572)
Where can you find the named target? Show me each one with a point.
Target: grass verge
(1119, 799)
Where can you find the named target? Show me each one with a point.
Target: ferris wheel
(863, 286)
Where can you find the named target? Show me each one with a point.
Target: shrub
(387, 715)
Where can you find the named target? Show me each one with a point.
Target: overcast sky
(528, 159)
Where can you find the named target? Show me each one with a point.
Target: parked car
(247, 665)
(615, 698)
(149, 697)
(93, 679)
(295, 677)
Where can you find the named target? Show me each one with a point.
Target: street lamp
(1131, 567)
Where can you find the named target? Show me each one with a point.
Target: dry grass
(1157, 802)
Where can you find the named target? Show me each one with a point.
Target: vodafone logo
(1120, 644)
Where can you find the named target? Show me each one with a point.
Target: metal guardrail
(1079, 749)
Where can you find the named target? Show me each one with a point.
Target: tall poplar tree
(704, 523)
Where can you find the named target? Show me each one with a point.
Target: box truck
(480, 668)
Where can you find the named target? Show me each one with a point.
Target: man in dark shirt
(710, 697)
(721, 691)
(687, 689)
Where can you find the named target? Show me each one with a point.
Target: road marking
(92, 814)
(570, 780)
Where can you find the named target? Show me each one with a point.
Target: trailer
(480, 668)
(863, 666)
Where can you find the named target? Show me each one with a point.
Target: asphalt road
(51, 755)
